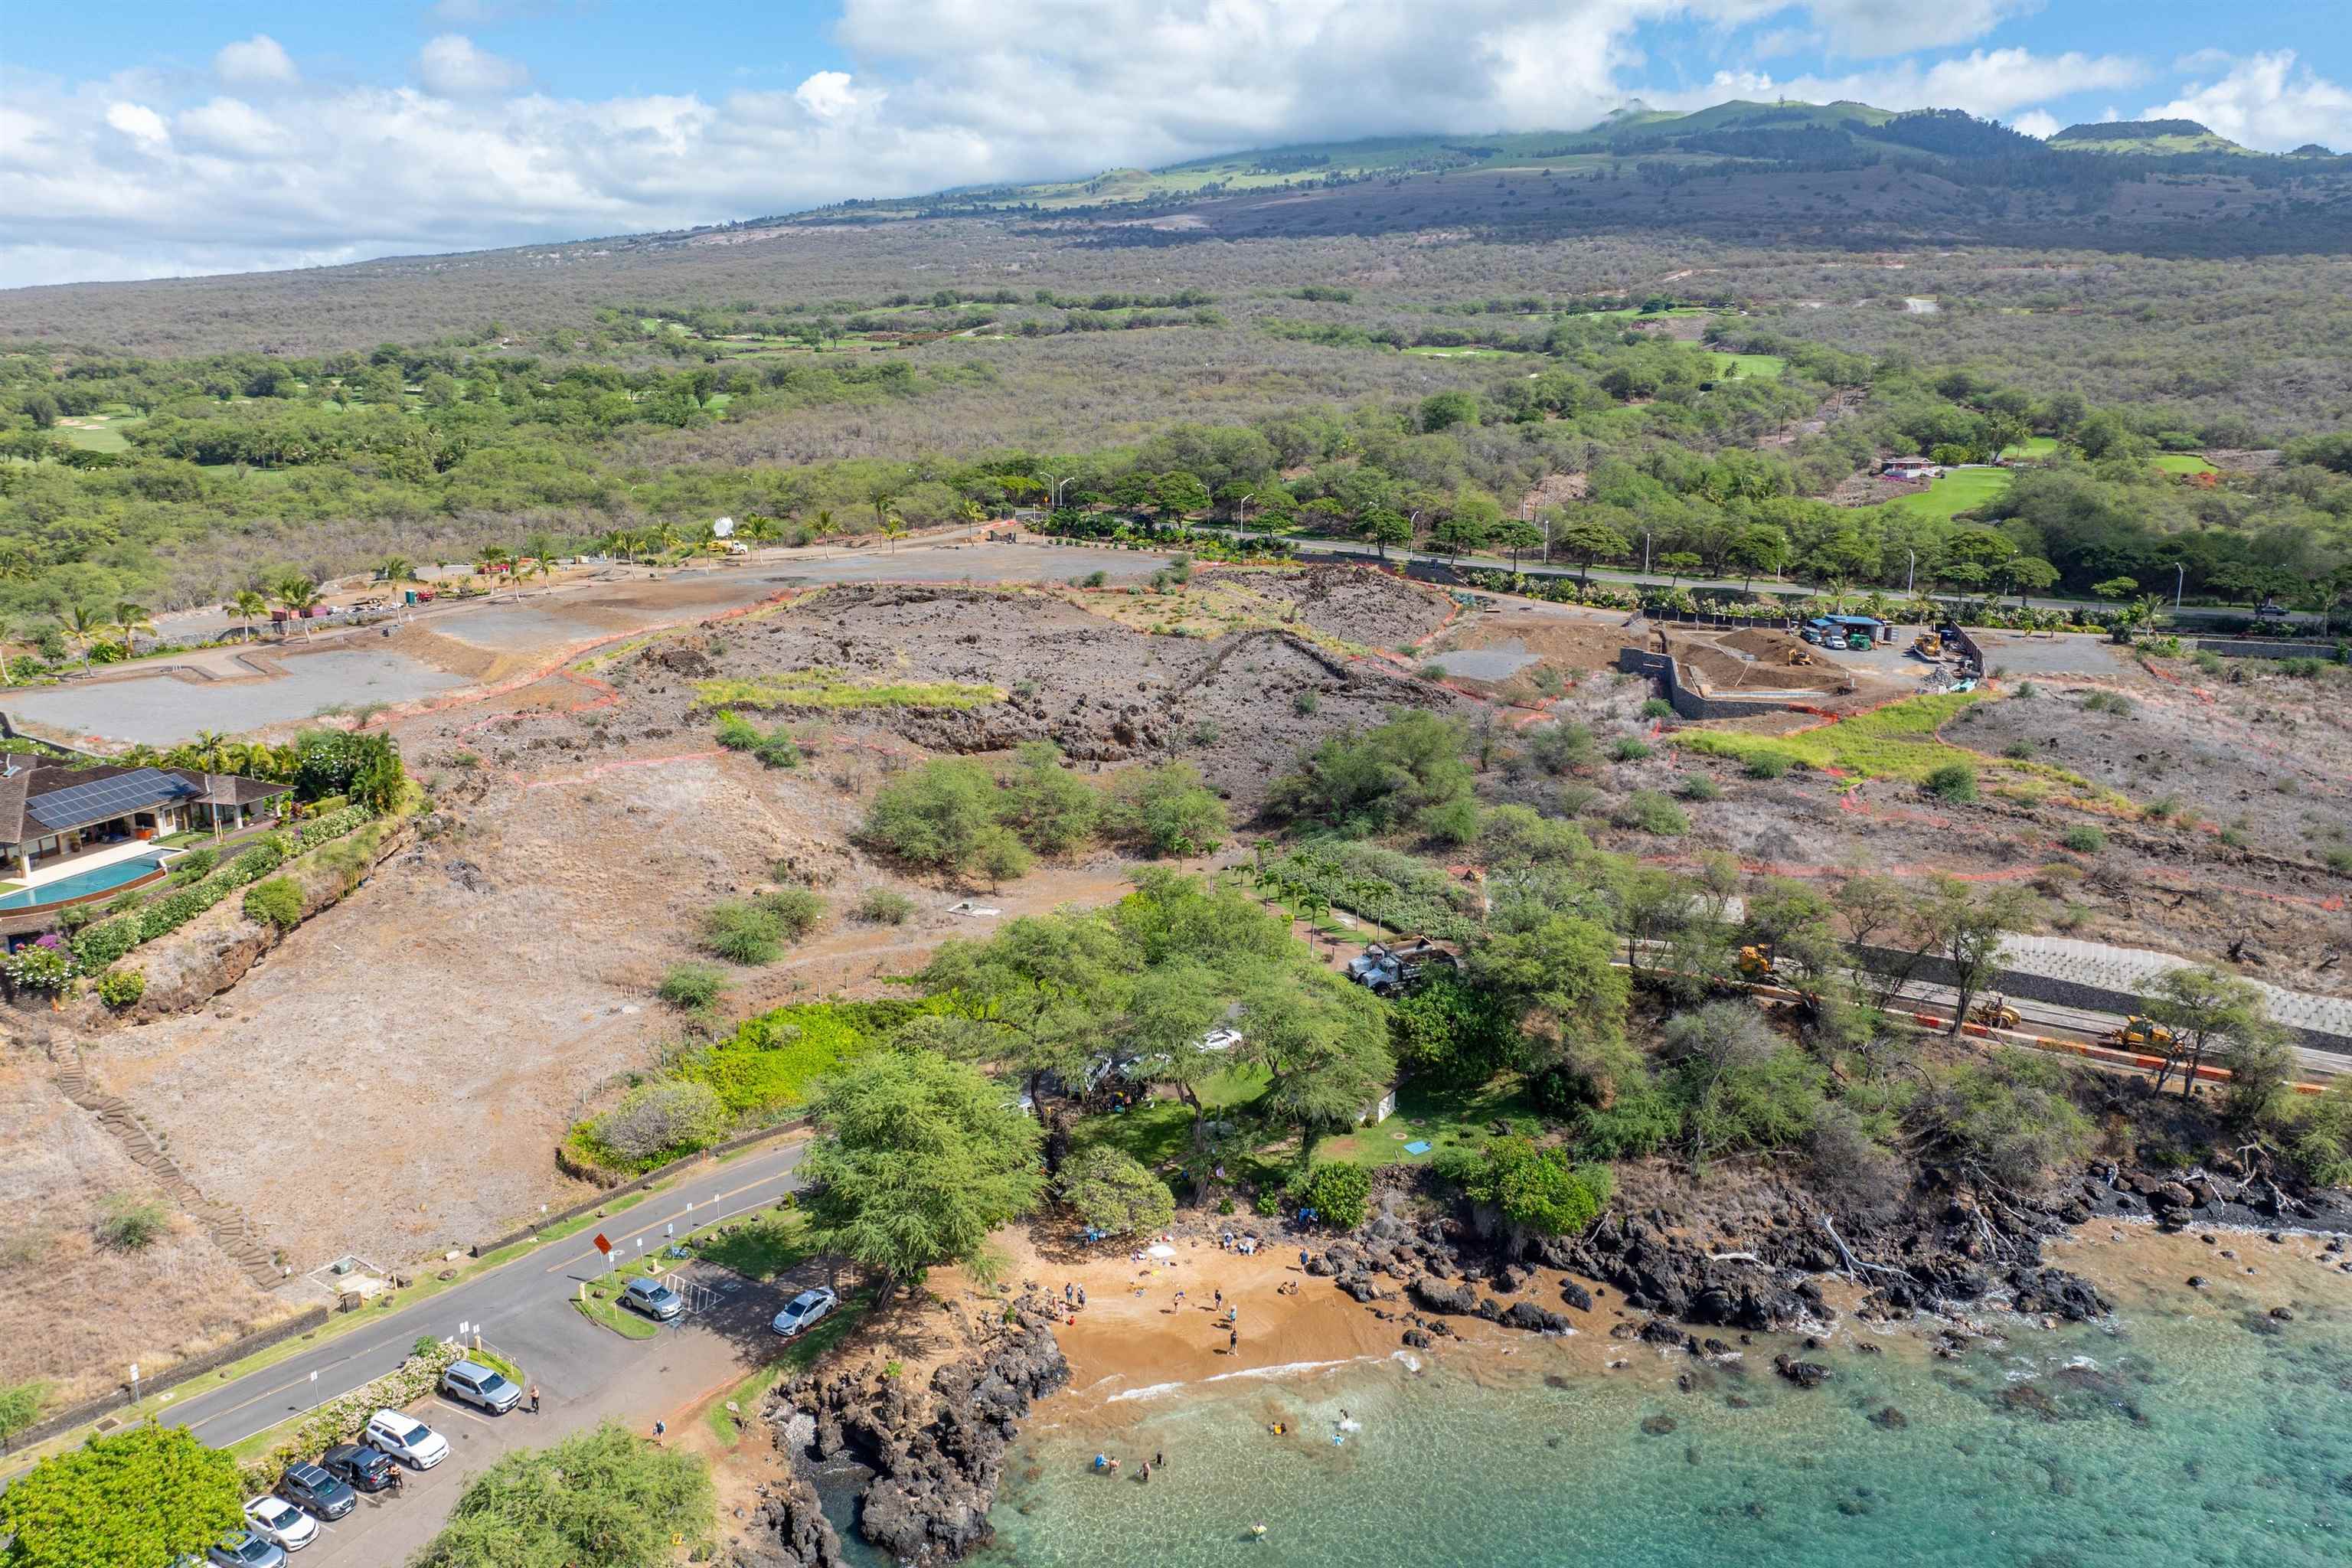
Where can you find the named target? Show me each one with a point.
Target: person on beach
(1302, 1257)
(1069, 1292)
(1233, 1341)
(1221, 1295)
(1082, 1295)
(1144, 1474)
(1160, 1460)
(1232, 1314)
(534, 1399)
(660, 1427)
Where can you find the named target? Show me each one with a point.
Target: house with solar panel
(72, 833)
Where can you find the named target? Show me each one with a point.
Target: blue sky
(175, 139)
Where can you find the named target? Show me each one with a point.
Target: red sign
(602, 1245)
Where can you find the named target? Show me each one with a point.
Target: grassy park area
(1961, 490)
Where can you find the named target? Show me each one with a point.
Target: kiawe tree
(916, 1159)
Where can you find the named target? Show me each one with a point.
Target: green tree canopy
(916, 1159)
(604, 1496)
(140, 1496)
(1112, 1192)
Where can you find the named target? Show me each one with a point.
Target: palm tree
(893, 526)
(299, 595)
(823, 525)
(395, 570)
(970, 511)
(248, 605)
(130, 619)
(541, 546)
(83, 621)
(2148, 611)
(10, 632)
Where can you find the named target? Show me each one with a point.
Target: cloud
(2039, 123)
(259, 59)
(1982, 81)
(231, 127)
(450, 64)
(141, 124)
(2266, 101)
(161, 174)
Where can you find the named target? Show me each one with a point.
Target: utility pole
(1645, 552)
(1910, 571)
(2180, 582)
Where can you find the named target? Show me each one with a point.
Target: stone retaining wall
(2273, 647)
(171, 1377)
(1687, 703)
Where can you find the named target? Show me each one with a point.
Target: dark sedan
(357, 1465)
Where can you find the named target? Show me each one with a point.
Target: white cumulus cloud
(2037, 122)
(1991, 82)
(451, 65)
(141, 124)
(259, 59)
(2266, 100)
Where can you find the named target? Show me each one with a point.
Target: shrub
(1433, 672)
(606, 1497)
(1456, 822)
(1629, 749)
(1339, 1194)
(1535, 1188)
(743, 932)
(1954, 782)
(1305, 703)
(39, 968)
(2113, 703)
(1112, 1190)
(1562, 748)
(2016, 751)
(884, 906)
(691, 986)
(1376, 779)
(120, 988)
(128, 1223)
(264, 857)
(194, 864)
(656, 1122)
(796, 910)
(1050, 809)
(277, 902)
(1657, 708)
(2084, 840)
(1698, 786)
(1166, 811)
(943, 816)
(1768, 765)
(2338, 860)
(737, 733)
(1650, 811)
(99, 945)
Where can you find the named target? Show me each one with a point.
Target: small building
(1911, 469)
(51, 813)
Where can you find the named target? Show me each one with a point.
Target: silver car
(803, 1309)
(474, 1384)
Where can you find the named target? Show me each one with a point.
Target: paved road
(523, 1307)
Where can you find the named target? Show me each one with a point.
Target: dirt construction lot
(392, 1079)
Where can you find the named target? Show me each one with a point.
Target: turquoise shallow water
(2190, 1430)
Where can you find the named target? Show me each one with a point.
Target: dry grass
(98, 1309)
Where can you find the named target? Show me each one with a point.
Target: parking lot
(586, 1374)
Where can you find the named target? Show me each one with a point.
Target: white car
(803, 1309)
(405, 1438)
(279, 1522)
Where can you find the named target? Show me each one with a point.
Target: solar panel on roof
(80, 803)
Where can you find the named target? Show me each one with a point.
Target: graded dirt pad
(1102, 692)
(87, 1311)
(1359, 605)
(1760, 663)
(1568, 641)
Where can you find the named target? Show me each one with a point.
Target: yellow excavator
(1801, 656)
(1755, 964)
(2140, 1034)
(1928, 645)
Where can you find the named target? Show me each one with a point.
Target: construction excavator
(1801, 656)
(1755, 964)
(1928, 645)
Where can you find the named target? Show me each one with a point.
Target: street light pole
(1645, 552)
(1241, 516)
(2180, 582)
(1910, 571)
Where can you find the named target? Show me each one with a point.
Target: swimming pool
(97, 880)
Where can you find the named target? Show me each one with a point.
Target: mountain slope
(2160, 138)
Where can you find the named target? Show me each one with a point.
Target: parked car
(654, 1299)
(803, 1309)
(406, 1438)
(358, 1466)
(275, 1520)
(475, 1383)
(246, 1549)
(312, 1487)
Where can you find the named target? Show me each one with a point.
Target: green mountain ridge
(2156, 137)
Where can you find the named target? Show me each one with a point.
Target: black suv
(309, 1487)
(357, 1465)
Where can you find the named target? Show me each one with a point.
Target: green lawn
(1899, 740)
(600, 1304)
(96, 432)
(1770, 366)
(1962, 489)
(2033, 448)
(1445, 1119)
(2183, 463)
(761, 1248)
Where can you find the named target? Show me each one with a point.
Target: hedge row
(339, 1420)
(101, 944)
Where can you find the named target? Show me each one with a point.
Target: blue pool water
(95, 880)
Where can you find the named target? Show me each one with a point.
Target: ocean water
(2192, 1429)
